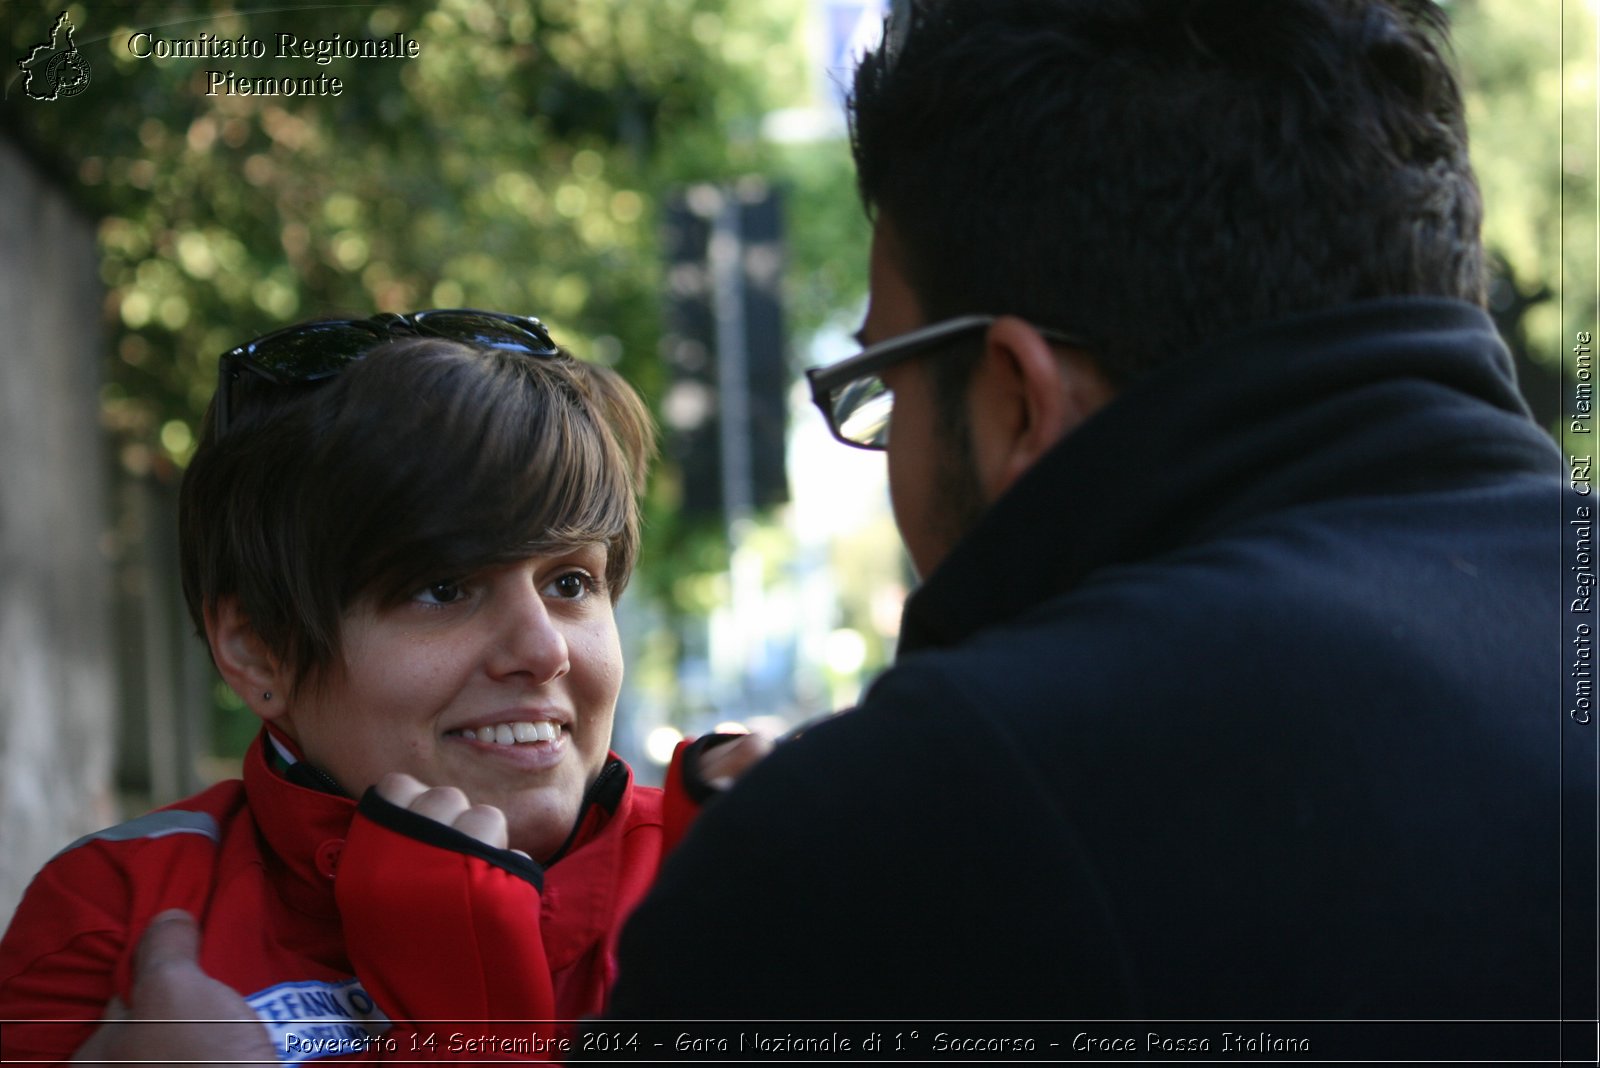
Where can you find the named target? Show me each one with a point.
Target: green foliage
(1528, 67)
(507, 166)
(516, 163)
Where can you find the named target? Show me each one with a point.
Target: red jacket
(346, 928)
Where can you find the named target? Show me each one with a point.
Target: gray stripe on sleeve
(154, 825)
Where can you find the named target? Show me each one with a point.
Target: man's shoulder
(1351, 608)
(1316, 567)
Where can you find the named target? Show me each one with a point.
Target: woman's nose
(529, 640)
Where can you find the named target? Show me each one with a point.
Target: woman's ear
(244, 660)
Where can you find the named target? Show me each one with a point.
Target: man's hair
(425, 461)
(1151, 174)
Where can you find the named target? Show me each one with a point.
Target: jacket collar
(579, 902)
(299, 823)
(303, 824)
(1383, 396)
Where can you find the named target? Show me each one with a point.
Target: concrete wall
(57, 685)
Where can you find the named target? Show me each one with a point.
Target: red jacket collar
(301, 826)
(596, 879)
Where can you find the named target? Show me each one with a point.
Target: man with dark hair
(1232, 688)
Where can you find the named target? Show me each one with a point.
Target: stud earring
(266, 695)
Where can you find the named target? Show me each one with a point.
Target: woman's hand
(446, 805)
(720, 766)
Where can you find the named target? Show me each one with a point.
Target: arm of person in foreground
(169, 986)
(176, 1013)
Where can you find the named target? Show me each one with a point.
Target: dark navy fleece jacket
(1246, 702)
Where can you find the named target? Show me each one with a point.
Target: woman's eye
(571, 585)
(440, 593)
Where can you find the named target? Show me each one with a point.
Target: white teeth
(512, 733)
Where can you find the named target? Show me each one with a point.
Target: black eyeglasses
(851, 393)
(311, 352)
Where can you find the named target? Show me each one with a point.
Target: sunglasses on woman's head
(311, 352)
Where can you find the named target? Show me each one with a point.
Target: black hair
(1152, 174)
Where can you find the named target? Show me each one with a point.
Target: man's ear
(244, 660)
(1025, 396)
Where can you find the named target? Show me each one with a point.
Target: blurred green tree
(1528, 70)
(517, 162)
